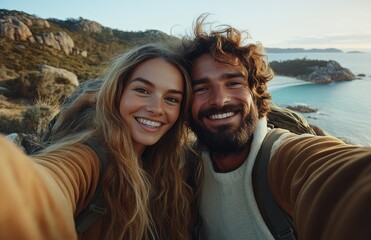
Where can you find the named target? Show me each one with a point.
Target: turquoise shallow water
(344, 108)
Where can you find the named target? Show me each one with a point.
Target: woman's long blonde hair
(147, 195)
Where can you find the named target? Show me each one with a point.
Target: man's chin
(221, 129)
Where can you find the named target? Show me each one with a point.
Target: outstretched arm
(325, 185)
(40, 196)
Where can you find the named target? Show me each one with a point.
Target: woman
(138, 122)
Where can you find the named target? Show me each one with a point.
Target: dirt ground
(11, 109)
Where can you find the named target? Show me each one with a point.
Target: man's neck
(231, 161)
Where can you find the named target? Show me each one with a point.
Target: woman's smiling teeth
(221, 116)
(148, 123)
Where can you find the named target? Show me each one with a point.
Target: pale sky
(341, 24)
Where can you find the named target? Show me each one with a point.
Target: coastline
(343, 108)
(279, 82)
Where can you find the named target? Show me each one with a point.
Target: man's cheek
(194, 112)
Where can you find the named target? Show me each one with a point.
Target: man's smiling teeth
(148, 123)
(221, 116)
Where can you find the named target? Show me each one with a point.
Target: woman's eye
(141, 90)
(172, 99)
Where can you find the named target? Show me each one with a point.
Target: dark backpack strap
(97, 207)
(278, 222)
(193, 159)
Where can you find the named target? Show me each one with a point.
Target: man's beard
(223, 140)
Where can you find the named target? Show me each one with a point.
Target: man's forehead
(207, 64)
(220, 58)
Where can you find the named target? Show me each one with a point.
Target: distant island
(302, 50)
(317, 71)
(355, 52)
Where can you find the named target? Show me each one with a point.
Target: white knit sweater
(227, 205)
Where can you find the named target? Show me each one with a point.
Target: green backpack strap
(278, 222)
(97, 208)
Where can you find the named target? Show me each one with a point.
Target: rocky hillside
(77, 45)
(43, 60)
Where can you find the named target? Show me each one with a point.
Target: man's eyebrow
(199, 81)
(233, 75)
(151, 84)
(224, 76)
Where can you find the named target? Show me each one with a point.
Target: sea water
(344, 108)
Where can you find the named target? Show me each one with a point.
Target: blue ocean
(344, 108)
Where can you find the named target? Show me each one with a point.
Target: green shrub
(34, 85)
(54, 90)
(35, 119)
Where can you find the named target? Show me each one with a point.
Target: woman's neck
(139, 148)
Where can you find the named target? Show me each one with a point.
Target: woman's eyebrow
(145, 81)
(151, 84)
(175, 91)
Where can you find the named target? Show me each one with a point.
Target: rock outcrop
(302, 109)
(50, 41)
(55, 73)
(60, 41)
(65, 42)
(87, 26)
(14, 29)
(317, 71)
(332, 72)
(16, 26)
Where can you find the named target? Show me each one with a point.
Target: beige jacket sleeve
(325, 185)
(40, 196)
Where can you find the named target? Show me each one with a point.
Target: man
(322, 183)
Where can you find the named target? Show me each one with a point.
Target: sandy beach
(281, 82)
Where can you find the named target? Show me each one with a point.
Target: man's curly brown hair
(227, 41)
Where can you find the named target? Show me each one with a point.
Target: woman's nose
(155, 106)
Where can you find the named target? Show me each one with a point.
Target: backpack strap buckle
(97, 210)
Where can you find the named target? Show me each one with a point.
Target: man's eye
(234, 83)
(201, 89)
(141, 90)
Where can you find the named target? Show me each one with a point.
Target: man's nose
(219, 96)
(155, 105)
